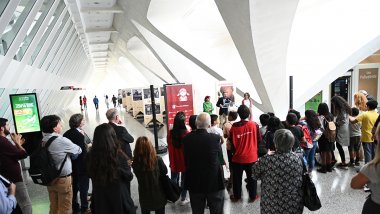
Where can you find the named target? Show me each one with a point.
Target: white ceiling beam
(101, 43)
(100, 51)
(90, 10)
(102, 30)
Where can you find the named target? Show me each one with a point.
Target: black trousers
(238, 169)
(370, 207)
(215, 202)
(81, 184)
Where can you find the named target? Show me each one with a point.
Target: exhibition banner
(227, 87)
(368, 80)
(314, 102)
(148, 110)
(178, 98)
(162, 99)
(25, 112)
(137, 102)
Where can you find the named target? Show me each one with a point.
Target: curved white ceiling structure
(110, 44)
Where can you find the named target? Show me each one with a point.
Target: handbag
(171, 189)
(310, 195)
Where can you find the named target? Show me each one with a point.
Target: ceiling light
(96, 2)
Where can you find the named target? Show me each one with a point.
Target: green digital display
(25, 112)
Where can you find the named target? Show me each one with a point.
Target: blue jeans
(309, 156)
(369, 151)
(175, 177)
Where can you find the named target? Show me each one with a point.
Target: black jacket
(79, 164)
(125, 138)
(203, 170)
(220, 102)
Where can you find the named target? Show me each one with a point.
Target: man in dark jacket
(204, 175)
(222, 104)
(122, 134)
(79, 173)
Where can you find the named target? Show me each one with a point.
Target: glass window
(3, 5)
(47, 32)
(18, 18)
(60, 46)
(33, 29)
(55, 39)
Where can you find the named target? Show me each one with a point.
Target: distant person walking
(96, 102)
(84, 102)
(80, 103)
(107, 102)
(114, 100)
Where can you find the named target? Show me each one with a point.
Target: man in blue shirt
(7, 198)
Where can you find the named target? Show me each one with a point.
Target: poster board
(137, 102)
(162, 101)
(126, 98)
(314, 102)
(25, 112)
(178, 98)
(368, 80)
(148, 111)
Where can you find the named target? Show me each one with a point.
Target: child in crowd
(355, 135)
(232, 116)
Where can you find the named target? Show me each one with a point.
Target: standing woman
(247, 102)
(80, 103)
(341, 110)
(313, 125)
(370, 175)
(176, 156)
(110, 172)
(84, 102)
(325, 147)
(147, 167)
(207, 105)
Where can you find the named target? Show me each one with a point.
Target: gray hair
(283, 140)
(111, 114)
(203, 121)
(75, 120)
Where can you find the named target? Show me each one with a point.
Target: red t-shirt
(243, 135)
(176, 157)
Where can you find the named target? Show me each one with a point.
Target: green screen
(25, 113)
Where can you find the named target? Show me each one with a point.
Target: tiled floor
(333, 188)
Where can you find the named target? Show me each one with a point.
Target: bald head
(203, 121)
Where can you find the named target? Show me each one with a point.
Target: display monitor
(25, 112)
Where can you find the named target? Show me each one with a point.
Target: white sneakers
(184, 202)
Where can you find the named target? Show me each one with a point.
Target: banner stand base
(162, 150)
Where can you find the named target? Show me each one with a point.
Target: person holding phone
(7, 196)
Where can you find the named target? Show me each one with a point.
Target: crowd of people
(272, 151)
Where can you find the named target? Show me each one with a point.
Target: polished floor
(333, 188)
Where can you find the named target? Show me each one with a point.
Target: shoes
(184, 202)
(329, 169)
(351, 164)
(343, 165)
(322, 170)
(357, 163)
(366, 188)
(251, 200)
(234, 199)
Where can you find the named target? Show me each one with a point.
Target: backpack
(309, 142)
(42, 168)
(330, 130)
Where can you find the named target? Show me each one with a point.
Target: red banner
(178, 98)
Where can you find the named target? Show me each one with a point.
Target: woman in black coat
(110, 171)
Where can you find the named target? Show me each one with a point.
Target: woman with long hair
(313, 126)
(176, 156)
(274, 124)
(109, 170)
(341, 110)
(360, 101)
(325, 147)
(370, 175)
(247, 102)
(147, 167)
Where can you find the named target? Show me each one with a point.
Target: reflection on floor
(333, 188)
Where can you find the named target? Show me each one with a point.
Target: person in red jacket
(245, 137)
(176, 156)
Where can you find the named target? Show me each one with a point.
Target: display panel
(25, 112)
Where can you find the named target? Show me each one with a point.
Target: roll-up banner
(178, 98)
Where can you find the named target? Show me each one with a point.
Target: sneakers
(322, 170)
(233, 199)
(351, 164)
(251, 200)
(357, 163)
(343, 165)
(366, 188)
(184, 202)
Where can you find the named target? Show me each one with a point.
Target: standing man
(80, 177)
(96, 102)
(122, 134)
(204, 174)
(61, 149)
(223, 104)
(114, 99)
(10, 168)
(245, 137)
